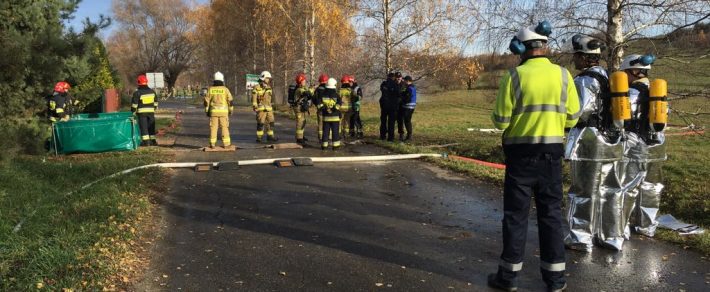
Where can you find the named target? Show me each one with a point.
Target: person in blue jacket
(406, 110)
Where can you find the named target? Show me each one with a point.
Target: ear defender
(647, 59)
(516, 46)
(544, 28)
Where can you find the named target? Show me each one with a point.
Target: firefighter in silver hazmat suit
(643, 152)
(594, 149)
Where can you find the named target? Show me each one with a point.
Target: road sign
(252, 80)
(156, 80)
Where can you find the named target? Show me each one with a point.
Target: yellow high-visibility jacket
(261, 96)
(218, 101)
(536, 101)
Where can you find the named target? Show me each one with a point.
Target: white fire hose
(255, 162)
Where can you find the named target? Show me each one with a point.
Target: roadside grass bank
(55, 236)
(444, 118)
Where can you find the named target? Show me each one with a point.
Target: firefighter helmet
(323, 78)
(219, 76)
(300, 78)
(586, 45)
(351, 79)
(345, 79)
(61, 87)
(264, 75)
(142, 80)
(636, 61)
(332, 83)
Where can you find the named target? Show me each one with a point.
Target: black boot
(498, 284)
(258, 140)
(401, 137)
(272, 138)
(153, 142)
(409, 137)
(360, 135)
(145, 143)
(300, 141)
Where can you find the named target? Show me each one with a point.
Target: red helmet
(142, 80)
(62, 87)
(351, 78)
(300, 78)
(345, 79)
(323, 78)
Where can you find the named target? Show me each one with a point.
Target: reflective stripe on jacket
(535, 103)
(144, 101)
(218, 101)
(261, 96)
(346, 98)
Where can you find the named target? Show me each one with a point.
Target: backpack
(292, 94)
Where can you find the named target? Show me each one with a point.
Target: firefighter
(300, 101)
(389, 102)
(144, 104)
(355, 120)
(644, 149)
(329, 106)
(346, 97)
(595, 195)
(218, 106)
(536, 101)
(261, 100)
(317, 94)
(406, 109)
(59, 103)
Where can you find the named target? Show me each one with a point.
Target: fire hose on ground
(270, 161)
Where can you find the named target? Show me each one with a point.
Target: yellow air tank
(658, 105)
(620, 105)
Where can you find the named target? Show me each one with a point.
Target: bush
(23, 136)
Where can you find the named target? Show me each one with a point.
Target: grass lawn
(443, 118)
(84, 240)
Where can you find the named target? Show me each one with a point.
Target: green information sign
(252, 80)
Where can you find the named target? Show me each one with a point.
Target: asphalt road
(392, 226)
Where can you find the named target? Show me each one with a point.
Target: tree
(619, 23)
(153, 36)
(432, 27)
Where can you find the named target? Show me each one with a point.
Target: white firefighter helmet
(332, 83)
(587, 45)
(532, 33)
(637, 61)
(219, 76)
(264, 75)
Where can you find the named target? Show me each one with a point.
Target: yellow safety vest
(535, 103)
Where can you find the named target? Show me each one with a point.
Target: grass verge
(85, 240)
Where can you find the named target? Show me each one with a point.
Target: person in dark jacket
(389, 103)
(144, 105)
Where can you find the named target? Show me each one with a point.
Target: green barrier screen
(92, 133)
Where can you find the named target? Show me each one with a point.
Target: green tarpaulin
(92, 133)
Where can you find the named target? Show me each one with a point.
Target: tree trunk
(614, 34)
(312, 42)
(388, 41)
(305, 52)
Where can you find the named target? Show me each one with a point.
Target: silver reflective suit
(642, 176)
(596, 199)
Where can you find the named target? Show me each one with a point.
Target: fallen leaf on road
(282, 273)
(165, 276)
(664, 258)
(378, 284)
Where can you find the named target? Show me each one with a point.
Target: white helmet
(586, 45)
(264, 75)
(528, 34)
(219, 76)
(332, 83)
(637, 61)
